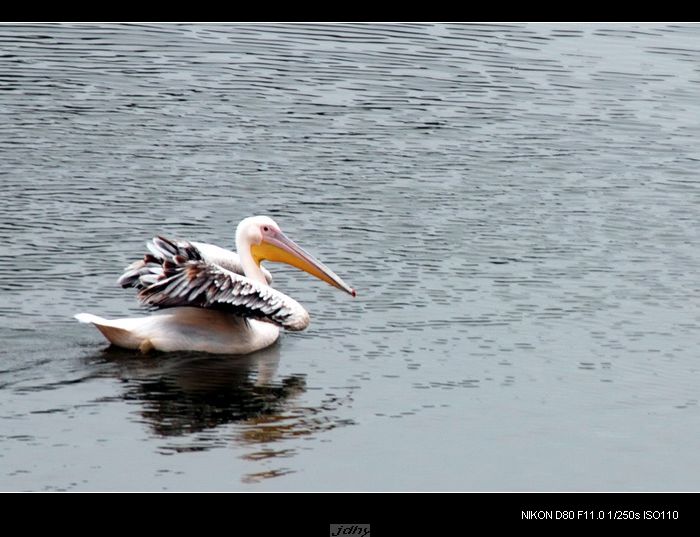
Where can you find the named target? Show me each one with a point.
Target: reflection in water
(185, 393)
(192, 399)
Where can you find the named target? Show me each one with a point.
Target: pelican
(211, 299)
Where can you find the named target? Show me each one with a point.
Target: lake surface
(517, 206)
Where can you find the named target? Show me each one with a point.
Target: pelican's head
(267, 243)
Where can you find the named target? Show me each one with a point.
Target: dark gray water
(517, 206)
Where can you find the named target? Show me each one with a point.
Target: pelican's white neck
(251, 269)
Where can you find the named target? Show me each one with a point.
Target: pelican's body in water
(211, 299)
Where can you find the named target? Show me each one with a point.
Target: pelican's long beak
(278, 247)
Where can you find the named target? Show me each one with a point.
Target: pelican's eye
(266, 229)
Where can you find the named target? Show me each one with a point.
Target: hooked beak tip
(353, 292)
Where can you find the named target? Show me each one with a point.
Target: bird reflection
(185, 393)
(196, 402)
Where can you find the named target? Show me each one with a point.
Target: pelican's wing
(175, 274)
(224, 258)
(208, 252)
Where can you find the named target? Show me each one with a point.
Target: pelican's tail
(111, 329)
